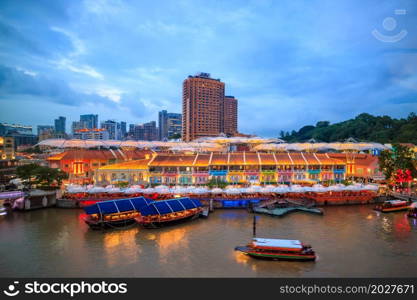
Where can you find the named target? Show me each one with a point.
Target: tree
(214, 183)
(122, 184)
(398, 161)
(321, 124)
(27, 172)
(175, 136)
(40, 175)
(364, 127)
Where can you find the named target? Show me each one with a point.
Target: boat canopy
(115, 206)
(145, 206)
(261, 242)
(168, 206)
(396, 202)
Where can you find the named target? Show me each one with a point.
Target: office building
(21, 134)
(230, 116)
(60, 125)
(92, 134)
(123, 129)
(169, 124)
(202, 107)
(144, 132)
(89, 121)
(113, 128)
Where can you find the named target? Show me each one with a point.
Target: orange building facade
(230, 115)
(80, 164)
(202, 107)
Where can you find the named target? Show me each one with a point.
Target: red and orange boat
(392, 206)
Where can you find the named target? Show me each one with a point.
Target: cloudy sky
(290, 63)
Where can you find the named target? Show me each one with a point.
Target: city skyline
(60, 59)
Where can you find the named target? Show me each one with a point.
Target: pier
(282, 211)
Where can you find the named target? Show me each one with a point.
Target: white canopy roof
(295, 244)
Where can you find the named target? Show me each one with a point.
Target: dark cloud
(17, 82)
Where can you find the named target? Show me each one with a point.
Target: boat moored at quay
(393, 206)
(148, 213)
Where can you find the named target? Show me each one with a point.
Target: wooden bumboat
(168, 212)
(393, 206)
(114, 213)
(278, 249)
(148, 213)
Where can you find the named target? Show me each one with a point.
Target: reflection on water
(350, 241)
(121, 245)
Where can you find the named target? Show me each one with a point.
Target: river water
(351, 241)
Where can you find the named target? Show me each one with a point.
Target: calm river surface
(351, 241)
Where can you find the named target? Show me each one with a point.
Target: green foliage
(35, 149)
(364, 127)
(212, 183)
(401, 158)
(122, 184)
(39, 175)
(175, 136)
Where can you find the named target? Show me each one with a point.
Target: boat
(392, 206)
(277, 249)
(114, 213)
(167, 212)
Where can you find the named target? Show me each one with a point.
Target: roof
(139, 164)
(163, 207)
(267, 159)
(202, 160)
(172, 160)
(118, 154)
(283, 158)
(251, 158)
(219, 159)
(115, 206)
(262, 242)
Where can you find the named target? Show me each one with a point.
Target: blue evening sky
(290, 63)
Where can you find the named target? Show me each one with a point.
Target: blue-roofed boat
(114, 213)
(167, 212)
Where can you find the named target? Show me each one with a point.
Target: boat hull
(276, 256)
(392, 209)
(153, 225)
(109, 224)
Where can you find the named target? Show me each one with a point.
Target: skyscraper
(89, 121)
(202, 107)
(144, 132)
(60, 125)
(123, 129)
(150, 131)
(113, 128)
(230, 115)
(169, 124)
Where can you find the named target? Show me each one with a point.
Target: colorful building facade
(232, 167)
(80, 164)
